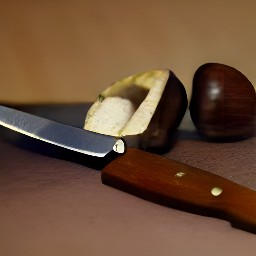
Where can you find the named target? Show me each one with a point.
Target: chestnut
(146, 108)
(223, 103)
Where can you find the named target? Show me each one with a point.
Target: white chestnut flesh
(149, 104)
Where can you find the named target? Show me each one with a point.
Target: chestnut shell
(223, 103)
(160, 134)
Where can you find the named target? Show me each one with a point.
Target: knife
(146, 175)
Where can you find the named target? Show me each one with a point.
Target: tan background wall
(68, 51)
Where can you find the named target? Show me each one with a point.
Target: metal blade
(62, 135)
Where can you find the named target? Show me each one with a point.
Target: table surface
(52, 205)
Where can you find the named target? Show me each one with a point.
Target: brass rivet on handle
(180, 174)
(216, 191)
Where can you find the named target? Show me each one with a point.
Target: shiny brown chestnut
(223, 103)
(145, 109)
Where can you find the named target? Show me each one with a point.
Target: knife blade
(146, 175)
(72, 138)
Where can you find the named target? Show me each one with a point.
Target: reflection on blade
(62, 135)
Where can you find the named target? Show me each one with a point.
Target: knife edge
(62, 135)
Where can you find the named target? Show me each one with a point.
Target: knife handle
(181, 186)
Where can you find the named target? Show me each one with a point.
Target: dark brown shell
(223, 103)
(161, 131)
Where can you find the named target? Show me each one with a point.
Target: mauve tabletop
(53, 205)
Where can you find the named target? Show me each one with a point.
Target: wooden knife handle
(181, 186)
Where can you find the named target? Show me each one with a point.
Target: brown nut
(223, 103)
(149, 104)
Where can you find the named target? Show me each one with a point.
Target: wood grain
(181, 186)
